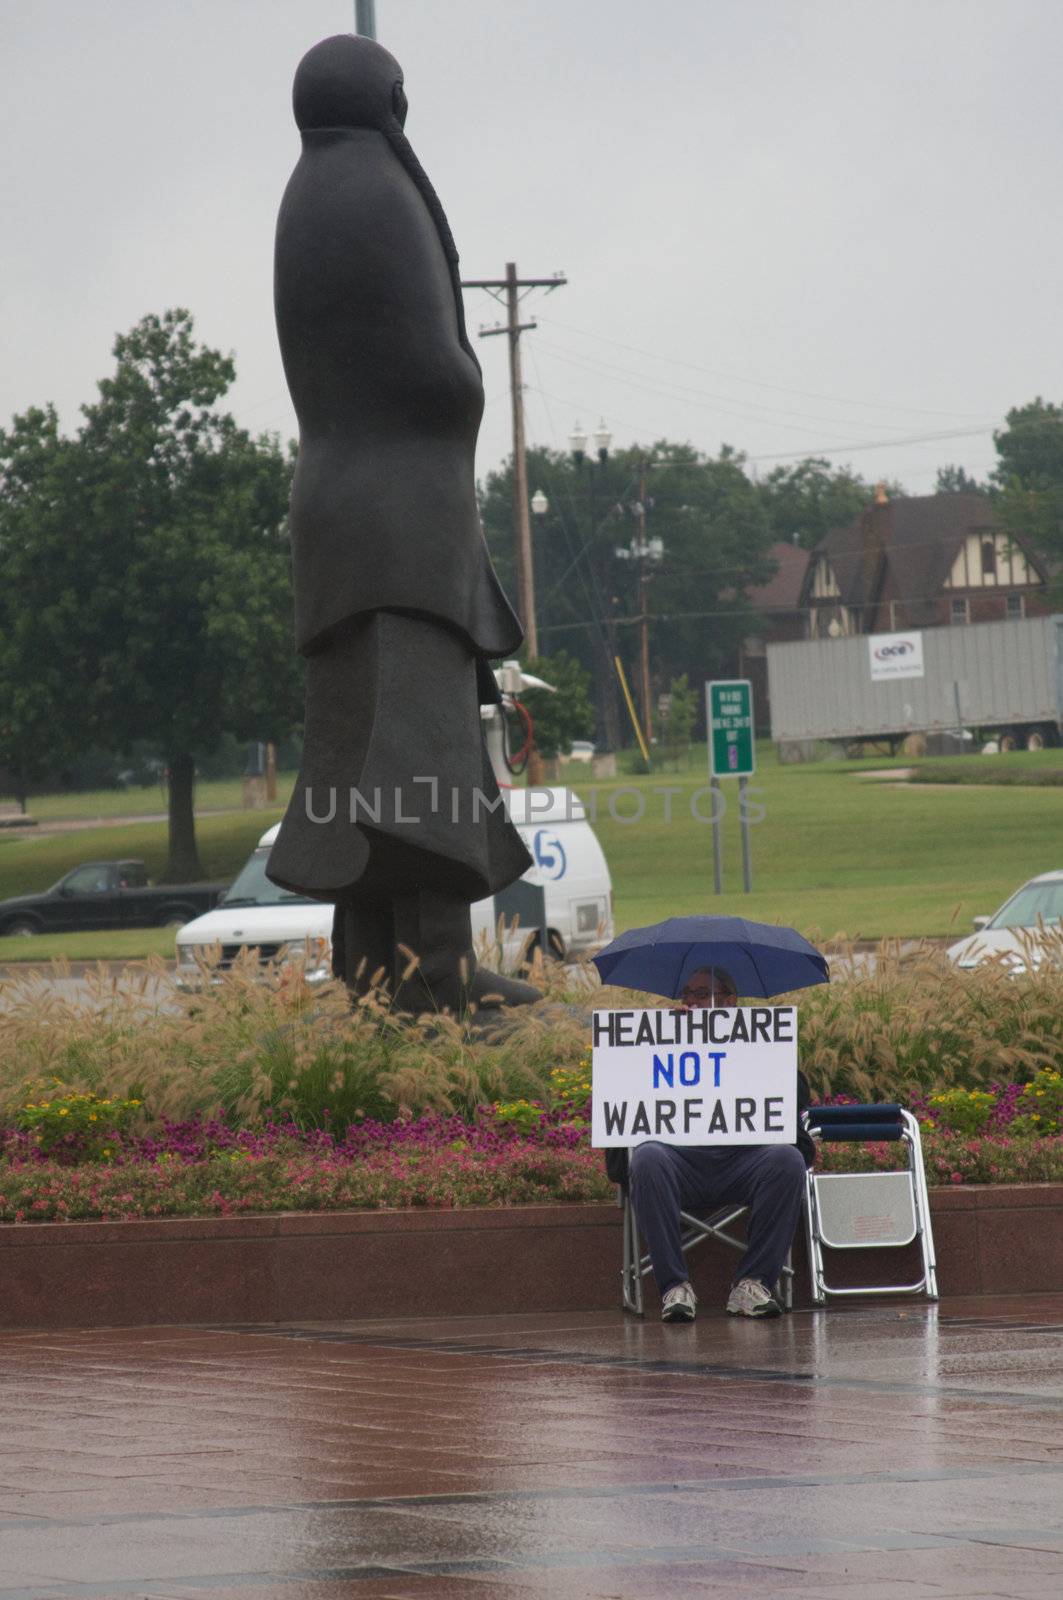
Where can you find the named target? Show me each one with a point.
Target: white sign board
(713, 1077)
(895, 655)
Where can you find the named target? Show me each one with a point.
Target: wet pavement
(896, 1451)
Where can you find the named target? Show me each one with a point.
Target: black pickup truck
(107, 894)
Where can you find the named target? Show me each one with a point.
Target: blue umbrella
(763, 960)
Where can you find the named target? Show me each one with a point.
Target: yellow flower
(63, 1112)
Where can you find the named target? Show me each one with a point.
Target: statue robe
(397, 604)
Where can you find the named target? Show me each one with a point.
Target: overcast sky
(793, 226)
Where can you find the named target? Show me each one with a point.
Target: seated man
(768, 1178)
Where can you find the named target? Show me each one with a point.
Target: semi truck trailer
(988, 680)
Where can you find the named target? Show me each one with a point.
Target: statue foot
(489, 990)
(369, 937)
(483, 992)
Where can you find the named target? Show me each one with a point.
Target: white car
(568, 866)
(581, 750)
(1038, 904)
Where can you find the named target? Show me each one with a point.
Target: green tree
(567, 713)
(43, 713)
(716, 543)
(955, 480)
(573, 557)
(805, 501)
(1029, 480)
(714, 538)
(146, 565)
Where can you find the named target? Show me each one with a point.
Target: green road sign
(729, 709)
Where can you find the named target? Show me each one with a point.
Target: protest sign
(712, 1077)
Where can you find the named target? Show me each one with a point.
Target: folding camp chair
(695, 1230)
(868, 1210)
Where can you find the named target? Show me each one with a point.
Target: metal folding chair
(636, 1262)
(868, 1210)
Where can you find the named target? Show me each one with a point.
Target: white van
(569, 869)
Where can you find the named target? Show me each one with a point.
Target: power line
(592, 596)
(758, 383)
(800, 455)
(727, 611)
(727, 571)
(877, 444)
(689, 395)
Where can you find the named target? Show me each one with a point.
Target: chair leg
(921, 1198)
(631, 1297)
(815, 1255)
(784, 1289)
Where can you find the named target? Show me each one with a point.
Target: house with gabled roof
(780, 616)
(921, 561)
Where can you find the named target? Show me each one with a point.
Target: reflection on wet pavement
(895, 1451)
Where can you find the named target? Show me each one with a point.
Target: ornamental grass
(254, 1043)
(260, 1092)
(257, 1043)
(913, 1022)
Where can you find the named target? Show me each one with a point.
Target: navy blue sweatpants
(768, 1178)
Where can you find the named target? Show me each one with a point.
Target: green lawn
(120, 944)
(33, 861)
(214, 794)
(834, 854)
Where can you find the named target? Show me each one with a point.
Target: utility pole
(513, 328)
(365, 18)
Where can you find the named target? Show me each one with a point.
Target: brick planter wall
(364, 1264)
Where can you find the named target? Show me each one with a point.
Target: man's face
(703, 990)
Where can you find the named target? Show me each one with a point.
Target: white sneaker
(749, 1298)
(679, 1304)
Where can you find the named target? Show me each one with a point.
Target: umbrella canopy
(762, 959)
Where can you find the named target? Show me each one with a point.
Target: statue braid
(402, 147)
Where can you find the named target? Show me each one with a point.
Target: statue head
(352, 82)
(348, 82)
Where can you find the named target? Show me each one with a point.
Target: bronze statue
(396, 815)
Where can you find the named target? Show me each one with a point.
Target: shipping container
(994, 679)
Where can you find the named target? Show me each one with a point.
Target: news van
(565, 897)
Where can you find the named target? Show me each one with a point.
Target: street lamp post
(577, 444)
(540, 505)
(648, 553)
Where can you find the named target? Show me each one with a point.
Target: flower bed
(224, 1103)
(239, 1184)
(511, 1154)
